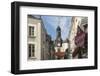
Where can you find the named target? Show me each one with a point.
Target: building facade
(38, 47)
(74, 36)
(76, 21)
(81, 39)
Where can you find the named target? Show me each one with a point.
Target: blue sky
(52, 22)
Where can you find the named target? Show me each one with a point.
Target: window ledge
(31, 58)
(32, 36)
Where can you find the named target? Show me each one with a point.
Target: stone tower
(58, 41)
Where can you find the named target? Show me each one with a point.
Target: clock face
(58, 44)
(59, 39)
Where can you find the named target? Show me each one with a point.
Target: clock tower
(58, 41)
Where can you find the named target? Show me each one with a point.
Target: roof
(58, 28)
(34, 17)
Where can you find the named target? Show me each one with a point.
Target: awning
(60, 54)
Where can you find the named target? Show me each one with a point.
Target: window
(33, 52)
(31, 31)
(31, 49)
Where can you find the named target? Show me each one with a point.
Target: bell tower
(58, 41)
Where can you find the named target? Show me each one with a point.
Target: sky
(52, 22)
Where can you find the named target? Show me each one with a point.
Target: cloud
(55, 21)
(65, 23)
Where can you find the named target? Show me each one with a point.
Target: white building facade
(36, 39)
(76, 21)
